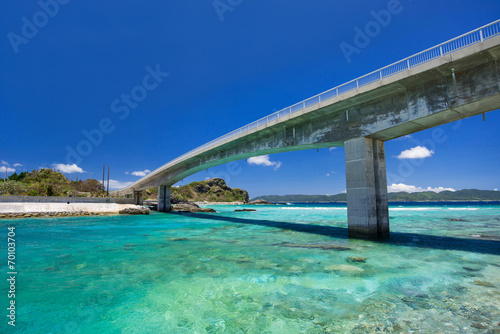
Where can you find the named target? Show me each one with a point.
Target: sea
(280, 269)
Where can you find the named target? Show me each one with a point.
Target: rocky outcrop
(213, 190)
(135, 211)
(261, 202)
(190, 207)
(244, 210)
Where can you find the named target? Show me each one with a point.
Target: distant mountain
(303, 198)
(427, 196)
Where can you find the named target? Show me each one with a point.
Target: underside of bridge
(456, 86)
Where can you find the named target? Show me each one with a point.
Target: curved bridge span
(451, 81)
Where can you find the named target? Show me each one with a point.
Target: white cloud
(413, 189)
(114, 184)
(496, 189)
(263, 160)
(5, 163)
(67, 169)
(327, 174)
(140, 172)
(417, 152)
(17, 165)
(331, 149)
(9, 170)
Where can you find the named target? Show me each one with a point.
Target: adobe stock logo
(372, 29)
(30, 28)
(407, 166)
(121, 107)
(223, 6)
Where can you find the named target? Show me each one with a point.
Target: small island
(188, 198)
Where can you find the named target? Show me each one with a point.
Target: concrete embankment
(24, 207)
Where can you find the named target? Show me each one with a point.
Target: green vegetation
(213, 190)
(427, 196)
(460, 195)
(46, 182)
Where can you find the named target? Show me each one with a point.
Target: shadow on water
(397, 238)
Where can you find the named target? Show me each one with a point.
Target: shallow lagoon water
(282, 269)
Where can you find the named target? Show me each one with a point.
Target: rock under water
(135, 211)
(190, 207)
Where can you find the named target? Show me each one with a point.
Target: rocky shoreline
(46, 210)
(14, 215)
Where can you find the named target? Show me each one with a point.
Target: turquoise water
(282, 269)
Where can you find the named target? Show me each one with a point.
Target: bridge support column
(138, 197)
(367, 204)
(164, 199)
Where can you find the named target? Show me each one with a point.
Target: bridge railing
(473, 37)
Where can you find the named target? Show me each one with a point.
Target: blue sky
(208, 68)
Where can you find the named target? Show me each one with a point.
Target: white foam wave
(463, 209)
(313, 208)
(414, 209)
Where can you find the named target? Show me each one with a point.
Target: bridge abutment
(367, 203)
(164, 199)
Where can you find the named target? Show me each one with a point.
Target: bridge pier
(366, 179)
(138, 197)
(164, 199)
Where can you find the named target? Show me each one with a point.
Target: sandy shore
(26, 210)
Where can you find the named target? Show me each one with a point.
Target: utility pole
(4, 179)
(103, 168)
(107, 191)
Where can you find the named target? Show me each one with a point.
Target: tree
(15, 188)
(91, 185)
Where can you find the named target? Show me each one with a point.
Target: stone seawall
(29, 210)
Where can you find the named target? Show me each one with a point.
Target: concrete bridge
(451, 81)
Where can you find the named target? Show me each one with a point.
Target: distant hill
(213, 190)
(429, 196)
(303, 198)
